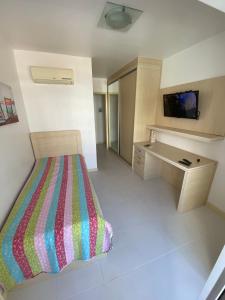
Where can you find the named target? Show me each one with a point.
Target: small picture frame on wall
(8, 114)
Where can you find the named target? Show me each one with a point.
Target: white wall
(60, 107)
(114, 87)
(16, 157)
(201, 61)
(204, 60)
(100, 85)
(218, 4)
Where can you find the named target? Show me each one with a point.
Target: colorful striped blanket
(55, 220)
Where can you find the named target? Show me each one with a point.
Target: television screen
(181, 105)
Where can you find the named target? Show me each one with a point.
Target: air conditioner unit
(49, 75)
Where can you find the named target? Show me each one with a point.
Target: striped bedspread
(55, 220)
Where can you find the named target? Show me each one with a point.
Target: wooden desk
(193, 182)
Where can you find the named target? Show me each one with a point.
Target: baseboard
(93, 170)
(216, 209)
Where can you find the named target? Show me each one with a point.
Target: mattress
(55, 220)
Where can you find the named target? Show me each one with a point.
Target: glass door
(113, 105)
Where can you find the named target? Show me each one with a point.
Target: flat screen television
(181, 105)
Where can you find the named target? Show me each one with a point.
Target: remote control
(184, 163)
(187, 161)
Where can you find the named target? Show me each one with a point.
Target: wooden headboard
(56, 143)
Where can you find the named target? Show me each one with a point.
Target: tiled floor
(158, 254)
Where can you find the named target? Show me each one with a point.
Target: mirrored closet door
(113, 113)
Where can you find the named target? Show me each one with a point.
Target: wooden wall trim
(211, 106)
(131, 66)
(123, 71)
(150, 61)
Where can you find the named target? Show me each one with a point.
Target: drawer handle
(140, 151)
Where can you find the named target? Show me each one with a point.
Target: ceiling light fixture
(118, 17)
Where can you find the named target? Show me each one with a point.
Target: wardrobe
(139, 85)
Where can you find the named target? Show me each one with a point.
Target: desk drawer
(139, 168)
(139, 158)
(140, 172)
(139, 152)
(139, 161)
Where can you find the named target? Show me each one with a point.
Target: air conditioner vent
(49, 75)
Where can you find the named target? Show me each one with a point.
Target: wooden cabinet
(139, 164)
(139, 87)
(127, 92)
(145, 165)
(147, 95)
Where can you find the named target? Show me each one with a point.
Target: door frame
(118, 122)
(106, 115)
(215, 283)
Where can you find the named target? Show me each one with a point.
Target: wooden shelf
(194, 135)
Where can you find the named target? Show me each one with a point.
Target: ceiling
(70, 27)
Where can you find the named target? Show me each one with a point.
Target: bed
(56, 218)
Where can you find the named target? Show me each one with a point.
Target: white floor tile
(120, 261)
(170, 277)
(97, 293)
(80, 280)
(45, 290)
(119, 289)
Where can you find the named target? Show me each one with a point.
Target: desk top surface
(172, 155)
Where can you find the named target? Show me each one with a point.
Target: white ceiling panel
(70, 27)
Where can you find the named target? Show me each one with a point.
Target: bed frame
(56, 143)
(51, 144)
